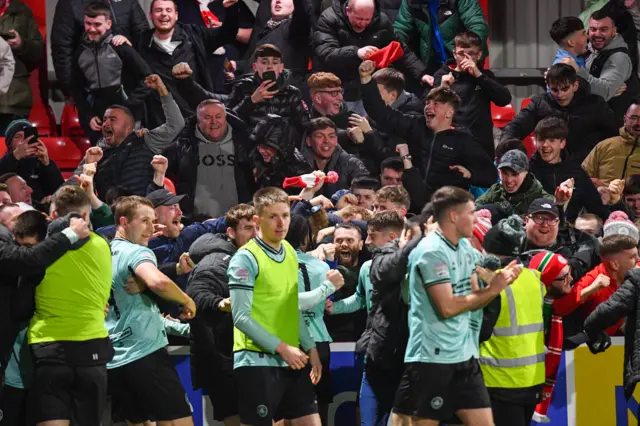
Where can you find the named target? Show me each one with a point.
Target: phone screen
(31, 131)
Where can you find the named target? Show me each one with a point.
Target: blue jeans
(377, 393)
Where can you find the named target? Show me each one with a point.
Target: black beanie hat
(505, 239)
(14, 127)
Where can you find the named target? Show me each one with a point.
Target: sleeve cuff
(71, 235)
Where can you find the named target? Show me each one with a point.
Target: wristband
(406, 157)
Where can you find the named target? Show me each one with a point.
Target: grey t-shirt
(216, 190)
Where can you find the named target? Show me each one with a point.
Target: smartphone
(31, 131)
(269, 75)
(7, 35)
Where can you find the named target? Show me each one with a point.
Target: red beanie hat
(387, 55)
(549, 265)
(483, 225)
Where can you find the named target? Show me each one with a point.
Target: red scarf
(207, 16)
(551, 366)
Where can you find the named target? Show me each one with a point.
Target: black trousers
(511, 414)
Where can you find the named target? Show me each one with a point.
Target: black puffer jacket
(68, 27)
(387, 331)
(433, 153)
(18, 264)
(588, 116)
(347, 167)
(287, 103)
(625, 302)
(336, 46)
(211, 330)
(183, 162)
(585, 194)
(274, 131)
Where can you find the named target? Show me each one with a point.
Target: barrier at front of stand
(588, 390)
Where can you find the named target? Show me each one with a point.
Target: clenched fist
(335, 278)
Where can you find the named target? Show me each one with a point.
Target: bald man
(124, 156)
(347, 34)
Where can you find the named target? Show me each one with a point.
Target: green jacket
(530, 190)
(414, 24)
(19, 17)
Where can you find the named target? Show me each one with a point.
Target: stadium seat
(525, 102)
(69, 122)
(63, 151)
(502, 115)
(3, 147)
(42, 117)
(82, 143)
(169, 186)
(530, 144)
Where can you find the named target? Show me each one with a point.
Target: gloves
(600, 343)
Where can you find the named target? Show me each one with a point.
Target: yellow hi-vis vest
(275, 299)
(514, 355)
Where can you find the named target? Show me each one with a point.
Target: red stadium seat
(42, 117)
(63, 151)
(531, 144)
(502, 115)
(82, 143)
(169, 186)
(3, 146)
(66, 174)
(525, 102)
(69, 122)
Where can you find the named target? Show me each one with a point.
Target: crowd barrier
(588, 390)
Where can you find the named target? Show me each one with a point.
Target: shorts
(149, 389)
(268, 393)
(61, 392)
(223, 393)
(13, 406)
(324, 388)
(436, 391)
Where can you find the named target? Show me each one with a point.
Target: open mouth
(345, 256)
(430, 115)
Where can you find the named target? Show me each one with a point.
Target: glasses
(333, 93)
(563, 278)
(633, 118)
(462, 55)
(539, 220)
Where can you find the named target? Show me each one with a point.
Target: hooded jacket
(387, 331)
(588, 117)
(275, 132)
(476, 96)
(623, 303)
(530, 190)
(585, 195)
(614, 158)
(336, 45)
(111, 74)
(183, 162)
(68, 27)
(18, 99)
(287, 103)
(211, 330)
(347, 166)
(432, 153)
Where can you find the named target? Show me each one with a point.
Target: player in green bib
(442, 377)
(269, 327)
(69, 342)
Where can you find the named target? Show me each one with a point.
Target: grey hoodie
(616, 70)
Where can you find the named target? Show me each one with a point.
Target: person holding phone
(27, 157)
(267, 91)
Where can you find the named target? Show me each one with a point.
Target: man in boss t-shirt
(143, 382)
(68, 339)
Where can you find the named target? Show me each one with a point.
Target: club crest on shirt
(243, 274)
(442, 271)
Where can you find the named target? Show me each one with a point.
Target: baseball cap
(515, 160)
(543, 205)
(162, 197)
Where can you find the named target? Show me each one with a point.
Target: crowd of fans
(461, 264)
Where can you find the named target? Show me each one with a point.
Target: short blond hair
(266, 197)
(128, 206)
